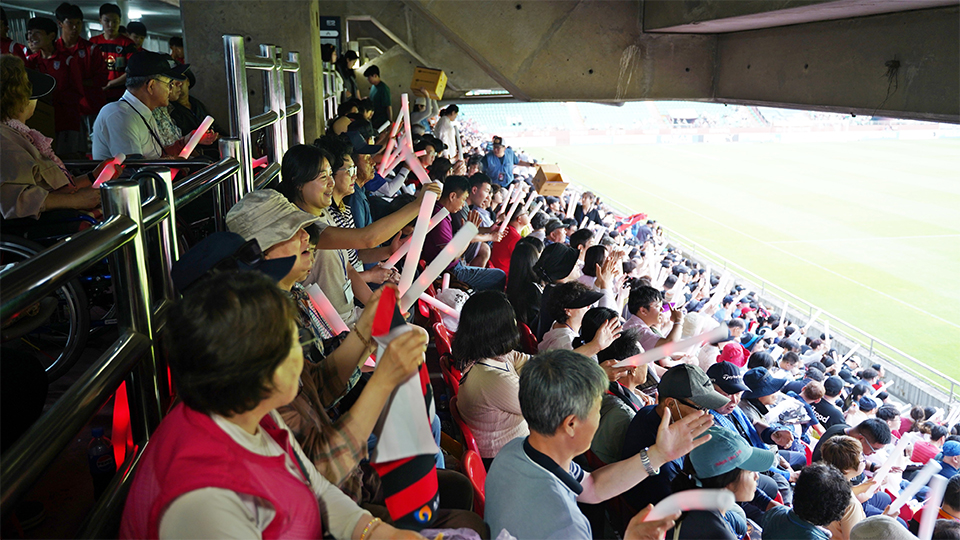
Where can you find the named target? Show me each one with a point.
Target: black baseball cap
(147, 64)
(727, 376)
(42, 83)
(586, 298)
(360, 145)
(556, 262)
(686, 381)
(833, 385)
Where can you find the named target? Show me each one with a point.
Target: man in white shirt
(127, 126)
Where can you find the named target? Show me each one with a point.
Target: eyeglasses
(691, 405)
(870, 446)
(351, 171)
(169, 83)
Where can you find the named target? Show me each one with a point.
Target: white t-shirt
(557, 338)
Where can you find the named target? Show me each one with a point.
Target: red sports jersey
(115, 53)
(68, 98)
(93, 70)
(9, 46)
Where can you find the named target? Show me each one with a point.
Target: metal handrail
(39, 276)
(197, 184)
(259, 62)
(33, 452)
(292, 109)
(137, 163)
(266, 176)
(264, 120)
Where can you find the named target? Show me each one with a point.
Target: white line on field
(616, 178)
(863, 239)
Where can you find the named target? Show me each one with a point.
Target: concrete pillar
(293, 25)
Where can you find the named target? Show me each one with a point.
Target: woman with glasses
(223, 463)
(315, 178)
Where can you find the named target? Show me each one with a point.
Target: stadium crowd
(561, 426)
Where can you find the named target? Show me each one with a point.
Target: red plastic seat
(442, 339)
(473, 467)
(451, 375)
(808, 451)
(778, 498)
(528, 341)
(468, 440)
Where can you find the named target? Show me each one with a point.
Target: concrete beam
(293, 25)
(843, 66)
(713, 16)
(574, 50)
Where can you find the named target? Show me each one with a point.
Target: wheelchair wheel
(58, 335)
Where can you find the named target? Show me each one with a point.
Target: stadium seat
(468, 440)
(451, 375)
(528, 341)
(442, 339)
(808, 451)
(473, 467)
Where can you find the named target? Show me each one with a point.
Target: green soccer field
(869, 231)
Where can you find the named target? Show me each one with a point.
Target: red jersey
(115, 53)
(93, 70)
(68, 98)
(501, 251)
(9, 46)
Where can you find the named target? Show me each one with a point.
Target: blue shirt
(782, 523)
(361, 208)
(947, 471)
(500, 170)
(530, 496)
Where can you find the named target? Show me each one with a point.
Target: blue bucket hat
(761, 383)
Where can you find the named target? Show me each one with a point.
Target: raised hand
(677, 439)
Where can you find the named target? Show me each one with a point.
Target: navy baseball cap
(225, 251)
(727, 376)
(833, 385)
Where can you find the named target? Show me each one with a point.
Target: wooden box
(434, 80)
(549, 181)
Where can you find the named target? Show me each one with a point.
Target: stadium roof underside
(834, 55)
(894, 58)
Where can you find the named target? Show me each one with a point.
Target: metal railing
(846, 335)
(133, 209)
(278, 111)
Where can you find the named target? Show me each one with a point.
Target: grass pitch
(869, 231)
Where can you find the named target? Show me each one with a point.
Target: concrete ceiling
(890, 57)
(162, 17)
(710, 17)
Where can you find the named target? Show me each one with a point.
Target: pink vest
(189, 451)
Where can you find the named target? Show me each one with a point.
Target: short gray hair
(556, 384)
(137, 82)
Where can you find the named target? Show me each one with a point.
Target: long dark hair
(521, 277)
(487, 329)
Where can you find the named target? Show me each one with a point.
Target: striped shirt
(343, 216)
